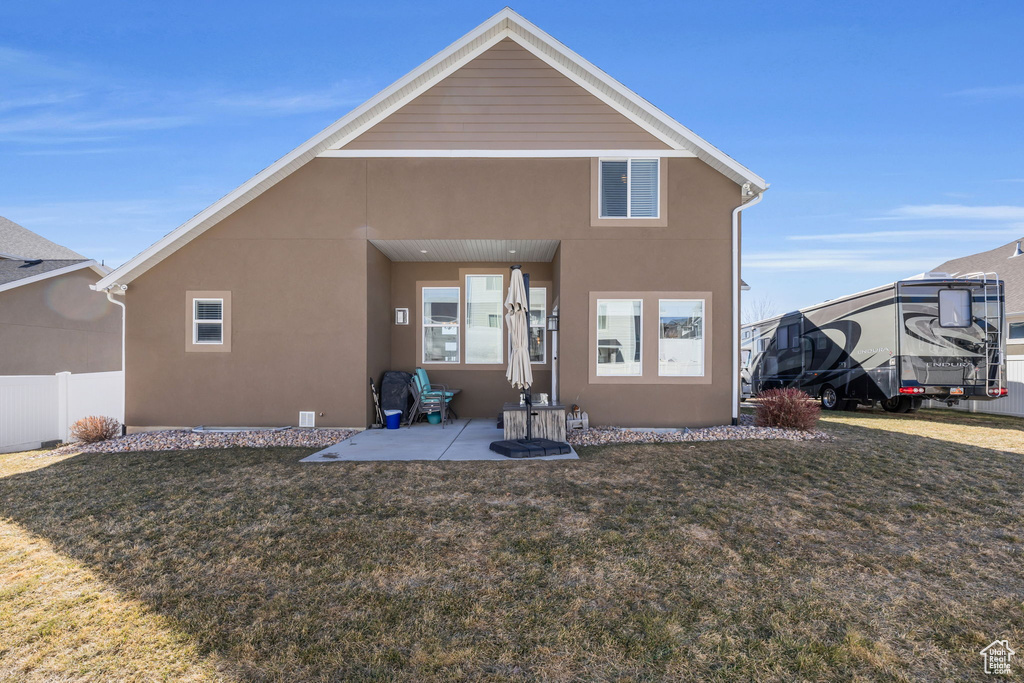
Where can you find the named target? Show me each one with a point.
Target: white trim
(504, 24)
(100, 270)
(503, 153)
(640, 338)
(501, 320)
(543, 327)
(703, 337)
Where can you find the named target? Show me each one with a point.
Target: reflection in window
(538, 324)
(441, 325)
(954, 308)
(484, 327)
(681, 337)
(618, 337)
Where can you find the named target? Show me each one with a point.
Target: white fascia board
(51, 273)
(503, 153)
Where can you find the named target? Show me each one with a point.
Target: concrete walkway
(467, 439)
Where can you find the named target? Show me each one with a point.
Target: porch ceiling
(526, 251)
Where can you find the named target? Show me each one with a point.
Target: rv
(933, 336)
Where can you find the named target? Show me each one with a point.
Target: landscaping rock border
(186, 439)
(602, 436)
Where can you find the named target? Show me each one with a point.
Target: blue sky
(890, 132)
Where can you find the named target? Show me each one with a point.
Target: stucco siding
(57, 325)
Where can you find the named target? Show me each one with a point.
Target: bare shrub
(96, 428)
(787, 409)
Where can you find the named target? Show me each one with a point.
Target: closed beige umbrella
(519, 373)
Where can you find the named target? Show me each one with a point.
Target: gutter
(747, 191)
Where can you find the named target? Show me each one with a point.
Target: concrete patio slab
(465, 439)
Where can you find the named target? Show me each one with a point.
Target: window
(207, 321)
(680, 337)
(762, 344)
(1017, 330)
(538, 324)
(484, 327)
(629, 188)
(954, 308)
(440, 324)
(618, 341)
(783, 338)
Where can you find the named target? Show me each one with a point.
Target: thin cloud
(991, 92)
(839, 260)
(907, 235)
(956, 211)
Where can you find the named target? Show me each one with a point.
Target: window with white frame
(208, 321)
(619, 336)
(681, 337)
(1017, 331)
(538, 324)
(484, 321)
(629, 188)
(440, 324)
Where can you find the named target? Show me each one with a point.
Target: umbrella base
(529, 448)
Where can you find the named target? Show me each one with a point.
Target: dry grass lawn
(895, 552)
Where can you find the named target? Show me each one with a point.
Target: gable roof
(21, 243)
(998, 261)
(506, 24)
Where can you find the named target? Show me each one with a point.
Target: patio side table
(548, 421)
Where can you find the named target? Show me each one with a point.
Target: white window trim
(703, 339)
(501, 319)
(597, 370)
(196, 321)
(424, 325)
(629, 189)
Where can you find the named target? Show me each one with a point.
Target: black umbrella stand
(529, 447)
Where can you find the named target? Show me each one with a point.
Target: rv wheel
(896, 404)
(830, 399)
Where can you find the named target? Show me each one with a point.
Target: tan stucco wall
(57, 325)
(303, 279)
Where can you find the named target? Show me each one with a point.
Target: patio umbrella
(519, 374)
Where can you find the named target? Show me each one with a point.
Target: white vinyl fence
(1011, 404)
(39, 408)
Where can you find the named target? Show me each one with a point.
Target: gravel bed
(186, 439)
(600, 436)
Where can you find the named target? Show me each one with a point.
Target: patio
(463, 439)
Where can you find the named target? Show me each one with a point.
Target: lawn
(893, 552)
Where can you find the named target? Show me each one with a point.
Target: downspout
(124, 335)
(736, 298)
(554, 359)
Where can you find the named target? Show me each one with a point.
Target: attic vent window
(629, 188)
(208, 321)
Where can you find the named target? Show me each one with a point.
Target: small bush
(788, 409)
(95, 428)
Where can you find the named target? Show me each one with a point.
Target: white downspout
(736, 299)
(554, 359)
(124, 335)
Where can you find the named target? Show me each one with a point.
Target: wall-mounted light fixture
(553, 323)
(401, 316)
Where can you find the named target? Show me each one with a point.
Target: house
(50, 320)
(504, 148)
(1006, 263)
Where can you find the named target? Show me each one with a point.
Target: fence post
(62, 405)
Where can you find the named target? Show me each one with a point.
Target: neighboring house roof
(331, 141)
(998, 261)
(25, 257)
(22, 243)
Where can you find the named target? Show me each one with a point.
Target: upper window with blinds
(208, 321)
(629, 188)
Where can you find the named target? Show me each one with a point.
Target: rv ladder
(993, 328)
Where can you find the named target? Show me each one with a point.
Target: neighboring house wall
(58, 325)
(308, 292)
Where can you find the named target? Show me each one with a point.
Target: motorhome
(932, 336)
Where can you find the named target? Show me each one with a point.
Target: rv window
(954, 308)
(1016, 330)
(783, 336)
(794, 336)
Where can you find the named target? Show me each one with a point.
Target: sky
(890, 131)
